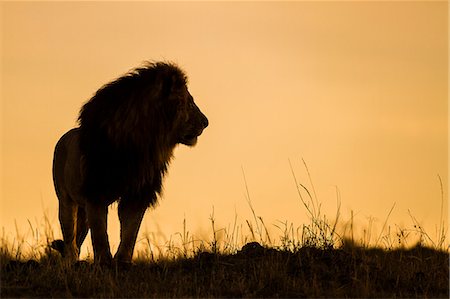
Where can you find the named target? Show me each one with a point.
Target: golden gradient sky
(359, 90)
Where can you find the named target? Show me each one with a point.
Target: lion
(120, 152)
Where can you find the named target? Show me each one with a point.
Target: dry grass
(254, 271)
(316, 259)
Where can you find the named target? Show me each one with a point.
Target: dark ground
(252, 272)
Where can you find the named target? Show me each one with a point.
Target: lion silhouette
(120, 152)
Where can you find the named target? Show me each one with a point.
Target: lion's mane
(128, 133)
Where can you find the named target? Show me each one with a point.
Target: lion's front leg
(97, 219)
(131, 213)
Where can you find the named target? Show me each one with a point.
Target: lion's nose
(205, 122)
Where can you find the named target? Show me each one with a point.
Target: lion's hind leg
(82, 227)
(67, 219)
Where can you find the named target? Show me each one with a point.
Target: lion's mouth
(191, 139)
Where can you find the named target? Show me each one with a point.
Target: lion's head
(190, 121)
(130, 127)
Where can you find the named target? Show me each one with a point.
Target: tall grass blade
(384, 225)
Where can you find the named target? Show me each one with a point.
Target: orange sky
(359, 90)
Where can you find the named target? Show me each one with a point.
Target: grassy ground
(254, 271)
(314, 260)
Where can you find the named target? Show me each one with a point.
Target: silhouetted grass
(254, 271)
(313, 260)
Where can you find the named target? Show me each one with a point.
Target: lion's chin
(190, 141)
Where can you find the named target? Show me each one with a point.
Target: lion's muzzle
(200, 123)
